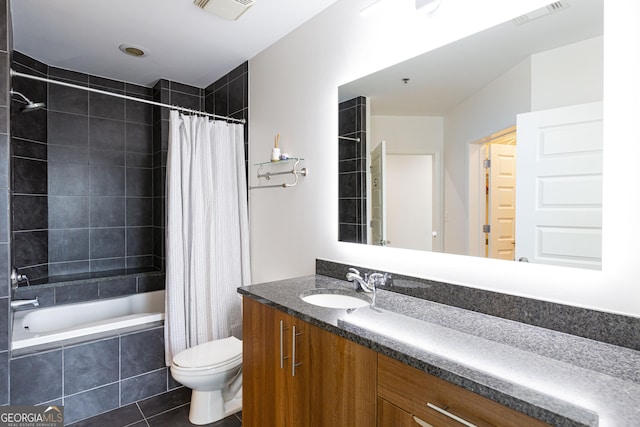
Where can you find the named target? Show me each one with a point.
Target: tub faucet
(22, 302)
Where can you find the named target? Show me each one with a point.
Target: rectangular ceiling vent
(543, 11)
(227, 9)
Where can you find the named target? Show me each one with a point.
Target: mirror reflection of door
(378, 195)
(501, 197)
(559, 211)
(410, 200)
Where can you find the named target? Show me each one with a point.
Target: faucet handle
(354, 271)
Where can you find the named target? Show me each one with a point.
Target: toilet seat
(209, 355)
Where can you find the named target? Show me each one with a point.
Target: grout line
(168, 410)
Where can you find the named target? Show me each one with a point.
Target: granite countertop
(559, 378)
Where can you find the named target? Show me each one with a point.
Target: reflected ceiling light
(427, 6)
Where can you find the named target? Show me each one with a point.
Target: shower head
(31, 106)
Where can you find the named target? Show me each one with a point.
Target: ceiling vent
(538, 13)
(227, 9)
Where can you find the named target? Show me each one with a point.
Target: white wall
(407, 134)
(293, 90)
(488, 111)
(567, 75)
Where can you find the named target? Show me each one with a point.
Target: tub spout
(22, 302)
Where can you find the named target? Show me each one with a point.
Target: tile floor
(169, 409)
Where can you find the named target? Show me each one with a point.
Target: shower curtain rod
(14, 73)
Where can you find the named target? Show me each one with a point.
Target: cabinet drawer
(418, 393)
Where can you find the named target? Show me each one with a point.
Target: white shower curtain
(207, 231)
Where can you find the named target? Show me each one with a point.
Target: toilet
(213, 371)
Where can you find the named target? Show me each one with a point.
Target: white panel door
(409, 196)
(559, 184)
(502, 201)
(378, 195)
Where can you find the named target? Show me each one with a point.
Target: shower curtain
(207, 242)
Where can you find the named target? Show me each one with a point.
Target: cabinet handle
(293, 352)
(420, 422)
(282, 356)
(450, 415)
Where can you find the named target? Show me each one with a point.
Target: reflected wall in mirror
(493, 144)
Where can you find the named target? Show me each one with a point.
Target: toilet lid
(210, 354)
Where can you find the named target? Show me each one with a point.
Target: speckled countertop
(559, 378)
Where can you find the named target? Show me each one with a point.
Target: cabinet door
(343, 381)
(258, 364)
(267, 387)
(276, 366)
(390, 415)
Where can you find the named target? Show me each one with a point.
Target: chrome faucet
(365, 283)
(22, 302)
(368, 283)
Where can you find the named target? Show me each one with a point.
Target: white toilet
(213, 371)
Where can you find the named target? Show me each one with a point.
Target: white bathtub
(51, 324)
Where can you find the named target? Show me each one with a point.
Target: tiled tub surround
(114, 370)
(89, 170)
(82, 176)
(84, 287)
(44, 326)
(562, 379)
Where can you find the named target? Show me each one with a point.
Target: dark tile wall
(352, 169)
(5, 248)
(171, 93)
(94, 377)
(82, 180)
(227, 97)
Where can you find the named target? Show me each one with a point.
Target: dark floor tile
(120, 417)
(164, 402)
(179, 417)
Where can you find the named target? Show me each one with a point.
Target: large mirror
(490, 146)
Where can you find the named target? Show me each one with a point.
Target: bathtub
(62, 322)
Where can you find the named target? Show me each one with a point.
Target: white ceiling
(444, 77)
(184, 43)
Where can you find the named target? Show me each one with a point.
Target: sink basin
(336, 298)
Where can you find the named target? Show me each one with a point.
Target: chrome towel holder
(267, 175)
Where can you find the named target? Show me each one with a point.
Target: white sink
(336, 298)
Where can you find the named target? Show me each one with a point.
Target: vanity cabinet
(419, 399)
(272, 393)
(299, 375)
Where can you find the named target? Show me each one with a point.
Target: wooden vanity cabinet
(435, 402)
(333, 382)
(271, 395)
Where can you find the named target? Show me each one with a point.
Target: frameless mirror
(492, 144)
